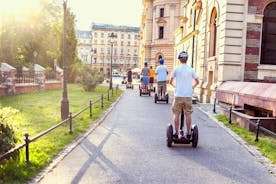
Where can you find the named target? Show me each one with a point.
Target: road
(129, 147)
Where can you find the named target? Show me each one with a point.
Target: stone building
(125, 47)
(228, 40)
(84, 46)
(159, 21)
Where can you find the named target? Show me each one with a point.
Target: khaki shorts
(184, 103)
(162, 84)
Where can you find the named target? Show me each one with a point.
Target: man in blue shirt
(161, 72)
(184, 79)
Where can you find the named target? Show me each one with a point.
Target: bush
(8, 138)
(89, 78)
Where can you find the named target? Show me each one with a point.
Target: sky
(116, 12)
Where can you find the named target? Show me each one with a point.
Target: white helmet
(183, 55)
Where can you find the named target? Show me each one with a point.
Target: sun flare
(18, 8)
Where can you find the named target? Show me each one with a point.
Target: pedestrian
(151, 75)
(184, 79)
(145, 77)
(162, 73)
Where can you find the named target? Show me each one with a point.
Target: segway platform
(129, 86)
(160, 99)
(141, 92)
(181, 139)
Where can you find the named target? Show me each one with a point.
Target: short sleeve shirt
(184, 76)
(161, 72)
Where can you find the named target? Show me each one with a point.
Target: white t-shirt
(161, 72)
(184, 76)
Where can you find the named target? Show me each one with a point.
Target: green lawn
(38, 112)
(266, 144)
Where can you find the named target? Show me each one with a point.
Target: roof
(113, 27)
(83, 34)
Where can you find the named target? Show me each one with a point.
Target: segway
(152, 89)
(128, 85)
(160, 99)
(146, 92)
(181, 139)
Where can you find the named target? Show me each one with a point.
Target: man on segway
(145, 77)
(161, 72)
(184, 79)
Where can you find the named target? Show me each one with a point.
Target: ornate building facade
(159, 20)
(84, 46)
(227, 40)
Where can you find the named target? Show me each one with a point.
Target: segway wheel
(154, 89)
(167, 98)
(169, 135)
(139, 86)
(140, 92)
(195, 136)
(131, 86)
(149, 92)
(155, 98)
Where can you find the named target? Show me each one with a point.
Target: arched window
(268, 52)
(213, 33)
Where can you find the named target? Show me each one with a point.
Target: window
(213, 33)
(95, 34)
(161, 32)
(122, 51)
(128, 43)
(122, 43)
(102, 35)
(102, 42)
(268, 52)
(128, 36)
(162, 12)
(95, 42)
(136, 36)
(122, 36)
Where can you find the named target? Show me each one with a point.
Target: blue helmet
(161, 61)
(183, 55)
(145, 63)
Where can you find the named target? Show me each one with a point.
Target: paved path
(130, 147)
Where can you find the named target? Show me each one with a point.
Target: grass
(266, 144)
(38, 112)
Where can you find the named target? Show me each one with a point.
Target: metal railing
(26, 77)
(257, 125)
(69, 119)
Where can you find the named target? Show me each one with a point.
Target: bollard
(257, 130)
(70, 123)
(230, 114)
(102, 101)
(27, 141)
(90, 107)
(214, 108)
(108, 95)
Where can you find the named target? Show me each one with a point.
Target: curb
(251, 149)
(71, 146)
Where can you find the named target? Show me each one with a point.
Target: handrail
(27, 140)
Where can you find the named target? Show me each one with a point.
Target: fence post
(108, 95)
(112, 91)
(257, 130)
(102, 98)
(230, 114)
(70, 123)
(27, 141)
(90, 107)
(117, 89)
(214, 108)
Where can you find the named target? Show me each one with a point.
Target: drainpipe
(193, 44)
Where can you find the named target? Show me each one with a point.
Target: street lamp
(112, 36)
(64, 101)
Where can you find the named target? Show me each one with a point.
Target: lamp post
(112, 36)
(64, 101)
